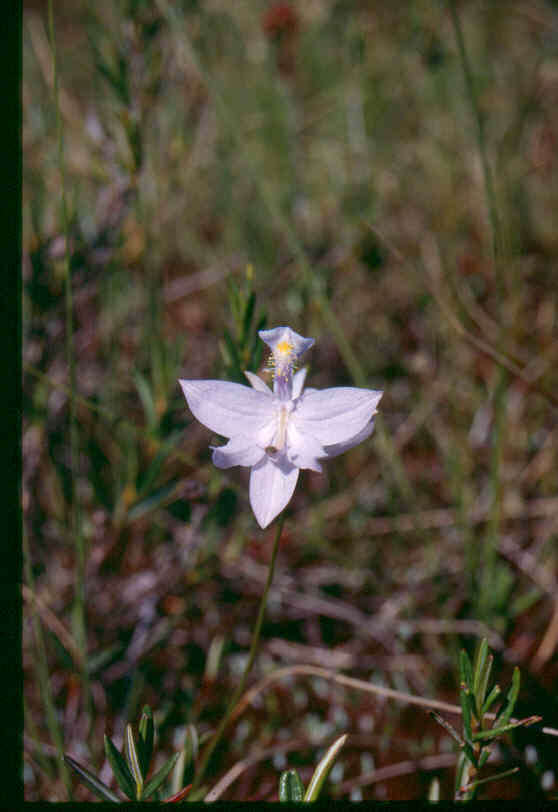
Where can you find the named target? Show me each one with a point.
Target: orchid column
(276, 433)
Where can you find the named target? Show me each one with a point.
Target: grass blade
(133, 759)
(466, 670)
(120, 769)
(323, 769)
(159, 777)
(505, 715)
(90, 780)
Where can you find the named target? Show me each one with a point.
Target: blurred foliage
(333, 148)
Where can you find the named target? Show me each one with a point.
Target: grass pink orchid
(277, 432)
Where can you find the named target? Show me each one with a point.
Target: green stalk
(74, 509)
(200, 771)
(490, 552)
(481, 141)
(41, 665)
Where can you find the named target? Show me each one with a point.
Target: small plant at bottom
(291, 787)
(480, 727)
(131, 766)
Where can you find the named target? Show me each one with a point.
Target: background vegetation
(390, 172)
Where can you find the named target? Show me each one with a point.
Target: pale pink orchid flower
(277, 432)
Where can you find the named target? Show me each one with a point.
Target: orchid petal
(284, 335)
(335, 415)
(271, 486)
(304, 450)
(240, 450)
(339, 448)
(298, 382)
(226, 407)
(257, 383)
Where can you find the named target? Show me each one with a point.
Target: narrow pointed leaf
(434, 790)
(490, 778)
(159, 777)
(232, 349)
(492, 696)
(483, 758)
(120, 769)
(146, 397)
(156, 499)
(322, 770)
(465, 669)
(199, 794)
(185, 767)
(90, 780)
(291, 788)
(145, 739)
(483, 685)
(501, 729)
(446, 725)
(179, 796)
(465, 700)
(479, 669)
(132, 758)
(148, 478)
(507, 710)
(248, 314)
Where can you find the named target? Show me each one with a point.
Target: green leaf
(492, 696)
(291, 787)
(501, 729)
(248, 315)
(232, 348)
(490, 778)
(89, 779)
(505, 713)
(146, 480)
(465, 700)
(483, 758)
(145, 740)
(146, 397)
(466, 671)
(479, 675)
(483, 685)
(159, 777)
(184, 771)
(120, 769)
(434, 790)
(199, 794)
(154, 500)
(322, 770)
(132, 758)
(446, 725)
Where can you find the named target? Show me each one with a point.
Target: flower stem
(200, 772)
(75, 523)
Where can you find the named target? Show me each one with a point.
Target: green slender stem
(481, 141)
(74, 508)
(200, 772)
(41, 665)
